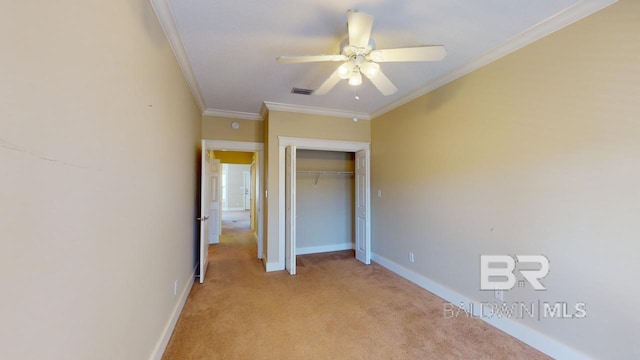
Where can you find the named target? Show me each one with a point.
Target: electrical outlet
(175, 287)
(411, 257)
(379, 193)
(499, 294)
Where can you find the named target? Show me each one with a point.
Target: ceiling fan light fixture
(345, 70)
(370, 69)
(356, 78)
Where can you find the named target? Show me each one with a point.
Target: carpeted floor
(235, 221)
(335, 308)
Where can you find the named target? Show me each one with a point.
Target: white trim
(274, 266)
(233, 114)
(322, 144)
(260, 183)
(301, 109)
(564, 18)
(519, 331)
(282, 204)
(324, 248)
(234, 209)
(161, 346)
(264, 111)
(168, 24)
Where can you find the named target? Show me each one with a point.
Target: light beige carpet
(335, 308)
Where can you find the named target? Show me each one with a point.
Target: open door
(363, 251)
(246, 187)
(290, 212)
(204, 213)
(215, 209)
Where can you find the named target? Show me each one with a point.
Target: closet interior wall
(325, 200)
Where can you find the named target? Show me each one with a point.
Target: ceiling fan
(359, 56)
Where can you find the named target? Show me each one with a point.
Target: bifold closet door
(363, 251)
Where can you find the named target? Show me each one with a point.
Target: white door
(290, 212)
(215, 213)
(204, 213)
(363, 250)
(247, 189)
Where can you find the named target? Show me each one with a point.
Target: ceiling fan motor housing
(350, 50)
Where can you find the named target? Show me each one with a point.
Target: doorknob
(203, 219)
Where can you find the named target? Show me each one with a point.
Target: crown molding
(272, 106)
(233, 114)
(264, 111)
(546, 27)
(168, 24)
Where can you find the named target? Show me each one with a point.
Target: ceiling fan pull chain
(355, 104)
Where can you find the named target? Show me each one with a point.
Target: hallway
(235, 221)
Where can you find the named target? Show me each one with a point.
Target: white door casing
(290, 203)
(204, 214)
(215, 209)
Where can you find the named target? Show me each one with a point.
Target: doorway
(236, 192)
(233, 153)
(287, 190)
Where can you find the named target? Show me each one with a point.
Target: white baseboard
(519, 331)
(235, 209)
(161, 346)
(324, 248)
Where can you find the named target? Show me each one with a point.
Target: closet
(323, 163)
(325, 198)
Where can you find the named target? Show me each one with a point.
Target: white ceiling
(227, 49)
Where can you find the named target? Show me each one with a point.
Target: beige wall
(537, 153)
(288, 124)
(324, 199)
(219, 128)
(98, 187)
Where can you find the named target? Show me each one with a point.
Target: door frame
(259, 183)
(326, 145)
(290, 210)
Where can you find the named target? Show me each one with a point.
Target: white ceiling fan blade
(359, 26)
(417, 53)
(382, 82)
(328, 84)
(312, 58)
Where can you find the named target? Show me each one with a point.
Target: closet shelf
(301, 172)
